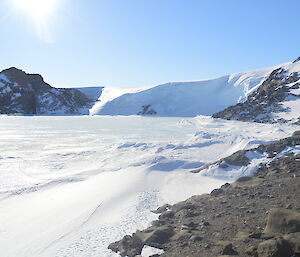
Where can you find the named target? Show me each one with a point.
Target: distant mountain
(29, 94)
(276, 100)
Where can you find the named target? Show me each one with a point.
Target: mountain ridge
(23, 93)
(224, 97)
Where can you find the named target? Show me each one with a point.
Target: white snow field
(71, 185)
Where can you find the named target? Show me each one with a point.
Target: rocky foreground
(254, 216)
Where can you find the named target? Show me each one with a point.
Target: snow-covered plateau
(71, 185)
(276, 86)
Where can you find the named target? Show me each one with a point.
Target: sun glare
(37, 9)
(41, 13)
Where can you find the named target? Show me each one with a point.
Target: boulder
(156, 236)
(129, 246)
(282, 221)
(294, 241)
(274, 248)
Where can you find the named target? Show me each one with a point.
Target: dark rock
(217, 192)
(228, 250)
(297, 60)
(294, 241)
(265, 236)
(146, 110)
(274, 248)
(226, 185)
(255, 235)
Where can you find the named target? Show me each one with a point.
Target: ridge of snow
(184, 99)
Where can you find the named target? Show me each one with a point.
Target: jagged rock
(283, 221)
(297, 60)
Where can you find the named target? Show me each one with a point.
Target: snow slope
(183, 99)
(71, 185)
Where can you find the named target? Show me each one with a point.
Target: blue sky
(133, 43)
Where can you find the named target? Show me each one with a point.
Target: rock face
(29, 94)
(269, 103)
(254, 216)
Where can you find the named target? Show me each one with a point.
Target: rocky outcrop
(254, 216)
(240, 158)
(29, 94)
(147, 110)
(266, 102)
(297, 60)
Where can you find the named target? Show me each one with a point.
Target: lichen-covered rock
(283, 221)
(156, 236)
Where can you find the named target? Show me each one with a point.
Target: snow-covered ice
(71, 185)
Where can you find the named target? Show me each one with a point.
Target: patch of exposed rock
(263, 104)
(22, 93)
(240, 157)
(254, 216)
(147, 110)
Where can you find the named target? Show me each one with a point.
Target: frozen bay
(71, 185)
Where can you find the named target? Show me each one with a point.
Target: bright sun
(42, 15)
(36, 9)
